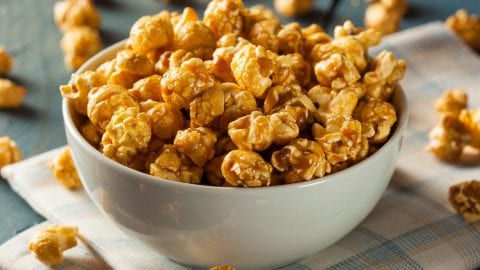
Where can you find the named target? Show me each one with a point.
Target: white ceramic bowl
(249, 228)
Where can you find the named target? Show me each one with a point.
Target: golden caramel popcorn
(11, 94)
(180, 86)
(387, 72)
(147, 88)
(385, 16)
(81, 85)
(49, 243)
(128, 133)
(224, 17)
(6, 61)
(451, 102)
(90, 133)
(170, 164)
(228, 45)
(292, 69)
(246, 168)
(252, 66)
(171, 60)
(264, 33)
(466, 26)
(196, 143)
(368, 37)
(291, 39)
(166, 119)
(285, 128)
(223, 267)
(377, 115)
(237, 104)
(150, 33)
(465, 199)
(134, 63)
(301, 160)
(292, 8)
(251, 132)
(104, 101)
(193, 35)
(75, 13)
(206, 108)
(65, 170)
(79, 44)
(9, 151)
(470, 119)
(313, 34)
(448, 138)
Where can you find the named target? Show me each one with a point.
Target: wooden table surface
(28, 32)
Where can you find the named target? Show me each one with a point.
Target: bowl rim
(400, 126)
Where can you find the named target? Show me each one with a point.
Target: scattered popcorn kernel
(246, 168)
(251, 132)
(170, 164)
(9, 151)
(301, 160)
(49, 243)
(470, 119)
(6, 61)
(465, 199)
(448, 138)
(128, 133)
(252, 67)
(65, 171)
(104, 101)
(151, 33)
(90, 133)
(224, 17)
(196, 143)
(75, 13)
(223, 267)
(466, 26)
(11, 95)
(147, 88)
(79, 44)
(206, 108)
(451, 102)
(377, 114)
(81, 85)
(166, 119)
(292, 8)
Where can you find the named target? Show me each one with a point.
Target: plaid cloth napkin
(412, 227)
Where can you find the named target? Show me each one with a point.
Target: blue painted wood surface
(28, 32)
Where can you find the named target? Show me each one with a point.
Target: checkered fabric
(412, 227)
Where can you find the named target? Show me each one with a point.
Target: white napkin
(412, 227)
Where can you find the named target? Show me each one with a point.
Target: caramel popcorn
(264, 33)
(196, 143)
(223, 267)
(291, 8)
(150, 33)
(385, 16)
(224, 17)
(127, 134)
(81, 85)
(170, 164)
(251, 132)
(147, 88)
(6, 61)
(65, 171)
(166, 119)
(11, 95)
(49, 243)
(451, 102)
(9, 151)
(206, 108)
(238, 103)
(90, 133)
(465, 199)
(447, 138)
(470, 119)
(171, 60)
(466, 26)
(292, 69)
(301, 160)
(246, 168)
(252, 67)
(104, 101)
(313, 34)
(79, 44)
(377, 115)
(69, 14)
(134, 63)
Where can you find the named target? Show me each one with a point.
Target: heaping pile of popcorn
(238, 99)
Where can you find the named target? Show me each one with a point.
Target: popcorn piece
(150, 33)
(470, 119)
(224, 17)
(385, 16)
(166, 119)
(69, 14)
(246, 168)
(238, 103)
(284, 126)
(172, 60)
(104, 101)
(65, 171)
(264, 33)
(206, 108)
(228, 45)
(180, 86)
(291, 39)
(79, 44)
(292, 8)
(251, 132)
(6, 61)
(9, 151)
(11, 95)
(252, 67)
(196, 143)
(128, 133)
(466, 26)
(90, 133)
(313, 34)
(172, 165)
(292, 69)
(81, 85)
(301, 160)
(134, 63)
(448, 138)
(378, 115)
(49, 243)
(465, 199)
(451, 102)
(147, 88)
(223, 267)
